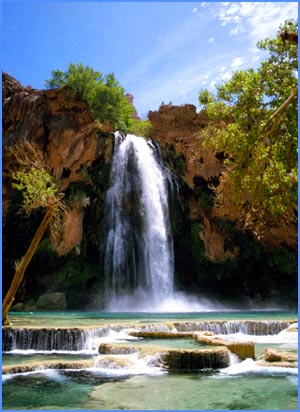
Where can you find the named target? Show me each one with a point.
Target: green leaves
(103, 93)
(37, 188)
(254, 121)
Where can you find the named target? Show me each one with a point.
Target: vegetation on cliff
(39, 191)
(253, 124)
(105, 96)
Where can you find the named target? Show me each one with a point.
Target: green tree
(39, 191)
(253, 122)
(105, 96)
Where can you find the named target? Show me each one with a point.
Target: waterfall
(138, 257)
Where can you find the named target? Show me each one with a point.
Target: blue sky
(159, 51)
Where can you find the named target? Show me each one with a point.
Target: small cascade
(138, 256)
(76, 339)
(60, 339)
(224, 327)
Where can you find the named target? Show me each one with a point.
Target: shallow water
(83, 390)
(138, 385)
(196, 391)
(171, 343)
(89, 319)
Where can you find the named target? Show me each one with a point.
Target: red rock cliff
(60, 123)
(181, 126)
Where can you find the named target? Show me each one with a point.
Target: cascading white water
(139, 261)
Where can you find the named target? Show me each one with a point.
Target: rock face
(243, 350)
(58, 122)
(72, 232)
(174, 359)
(130, 98)
(179, 127)
(273, 357)
(51, 301)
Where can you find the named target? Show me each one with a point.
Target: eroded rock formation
(58, 122)
(179, 128)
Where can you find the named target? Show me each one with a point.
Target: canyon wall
(213, 255)
(179, 128)
(59, 123)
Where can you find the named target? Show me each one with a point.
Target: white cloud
(237, 30)
(159, 76)
(226, 76)
(149, 94)
(256, 54)
(212, 84)
(222, 69)
(237, 62)
(259, 19)
(204, 4)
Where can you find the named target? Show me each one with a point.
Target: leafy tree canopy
(253, 121)
(105, 96)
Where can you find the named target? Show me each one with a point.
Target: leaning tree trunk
(22, 266)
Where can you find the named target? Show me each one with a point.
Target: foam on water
(249, 366)
(290, 339)
(51, 374)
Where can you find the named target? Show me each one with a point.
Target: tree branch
(21, 267)
(281, 108)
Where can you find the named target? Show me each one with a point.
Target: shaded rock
(51, 301)
(23, 307)
(72, 226)
(216, 358)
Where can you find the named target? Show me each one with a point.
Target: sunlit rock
(243, 350)
(273, 355)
